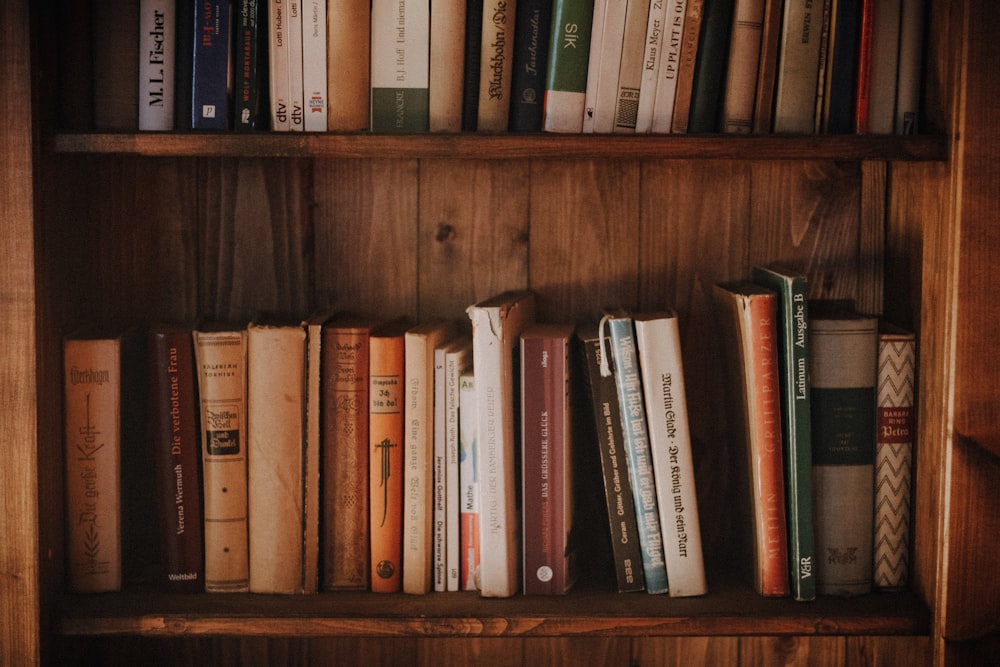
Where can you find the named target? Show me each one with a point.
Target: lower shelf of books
(584, 611)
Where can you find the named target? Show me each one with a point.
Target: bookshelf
(129, 228)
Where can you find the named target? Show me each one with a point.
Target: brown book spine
(685, 68)
(744, 58)
(176, 455)
(345, 359)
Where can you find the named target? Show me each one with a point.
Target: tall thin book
(687, 60)
(497, 323)
(210, 67)
(447, 65)
(400, 66)
(278, 55)
(798, 67)
(741, 72)
(251, 96)
(468, 479)
(315, 98)
(347, 67)
(667, 68)
(566, 80)
(157, 49)
(456, 359)
(630, 72)
(496, 65)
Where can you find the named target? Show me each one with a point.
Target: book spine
(885, 61)
(609, 66)
(911, 39)
(250, 96)
(447, 65)
(456, 362)
(221, 359)
(210, 67)
(531, 53)
(593, 62)
(820, 93)
(296, 96)
(114, 30)
(710, 66)
(400, 56)
(314, 79)
(619, 501)
(631, 70)
(628, 385)
(741, 72)
(183, 63)
(798, 67)
(666, 76)
(566, 78)
(92, 418)
(469, 482)
(895, 433)
(439, 529)
(278, 54)
(843, 372)
(767, 70)
(863, 89)
(345, 458)
(386, 462)
(495, 66)
(348, 87)
(176, 452)
(473, 53)
(842, 67)
(157, 24)
(686, 62)
(658, 342)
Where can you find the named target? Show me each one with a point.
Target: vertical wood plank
(573, 651)
(890, 651)
(685, 651)
(776, 651)
(872, 221)
(498, 651)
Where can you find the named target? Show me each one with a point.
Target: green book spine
(793, 354)
(710, 66)
(569, 45)
(400, 66)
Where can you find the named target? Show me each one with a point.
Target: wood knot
(444, 233)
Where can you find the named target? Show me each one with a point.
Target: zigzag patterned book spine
(896, 430)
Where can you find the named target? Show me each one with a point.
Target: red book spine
(862, 99)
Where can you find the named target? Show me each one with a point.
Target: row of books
(602, 66)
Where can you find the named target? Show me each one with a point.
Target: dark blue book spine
(531, 54)
(210, 66)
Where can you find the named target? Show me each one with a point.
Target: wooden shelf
(509, 146)
(597, 613)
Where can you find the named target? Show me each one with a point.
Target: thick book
(251, 96)
(315, 98)
(496, 65)
(531, 53)
(792, 289)
(468, 480)
(447, 65)
(885, 62)
(665, 68)
(662, 372)
(895, 421)
(497, 323)
(386, 373)
(175, 437)
(747, 320)
(400, 65)
(840, 84)
(157, 44)
(210, 66)
(708, 86)
(686, 63)
(345, 385)
(742, 69)
(418, 451)
(114, 30)
(911, 56)
(220, 353)
(276, 465)
(623, 363)
(566, 80)
(630, 71)
(608, 437)
(798, 67)
(547, 459)
(92, 394)
(296, 92)
(347, 65)
(278, 55)
(843, 370)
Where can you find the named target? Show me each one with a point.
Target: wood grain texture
(890, 651)
(814, 651)
(685, 651)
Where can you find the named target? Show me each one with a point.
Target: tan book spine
(496, 65)
(741, 73)
(347, 72)
(685, 67)
(447, 65)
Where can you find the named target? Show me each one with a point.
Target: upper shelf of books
(506, 146)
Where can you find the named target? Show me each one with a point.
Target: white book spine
(277, 28)
(440, 527)
(456, 361)
(157, 53)
(295, 90)
(631, 69)
(670, 57)
(594, 65)
(652, 49)
(314, 80)
(610, 65)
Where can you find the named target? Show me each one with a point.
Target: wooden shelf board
(509, 146)
(737, 612)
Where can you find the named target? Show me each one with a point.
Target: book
(176, 442)
(251, 96)
(183, 63)
(315, 99)
(157, 23)
(748, 328)
(840, 85)
(496, 65)
(662, 372)
(92, 395)
(767, 69)
(566, 81)
(609, 66)
(895, 420)
(742, 69)
(447, 66)
(593, 62)
(296, 92)
(278, 55)
(863, 81)
(277, 468)
(386, 372)
(630, 72)
(651, 50)
(400, 52)
(210, 66)
(468, 479)
(623, 362)
(348, 35)
(114, 29)
(497, 323)
(345, 386)
(665, 69)
(911, 50)
(792, 289)
(707, 87)
(798, 67)
(686, 63)
(842, 371)
(220, 353)
(819, 98)
(531, 53)
(885, 61)
(418, 451)
(608, 437)
(547, 481)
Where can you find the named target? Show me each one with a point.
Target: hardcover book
(792, 289)
(911, 40)
(547, 459)
(626, 105)
(400, 66)
(798, 67)
(767, 69)
(708, 86)
(863, 75)
(566, 80)
(531, 53)
(176, 456)
(741, 72)
(347, 65)
(895, 434)
(496, 65)
(608, 436)
(843, 370)
(447, 65)
(251, 96)
(157, 23)
(747, 319)
(608, 66)
(497, 323)
(473, 53)
(885, 63)
(220, 353)
(623, 362)
(183, 63)
(468, 478)
(662, 372)
(687, 60)
(314, 59)
(114, 30)
(840, 84)
(210, 66)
